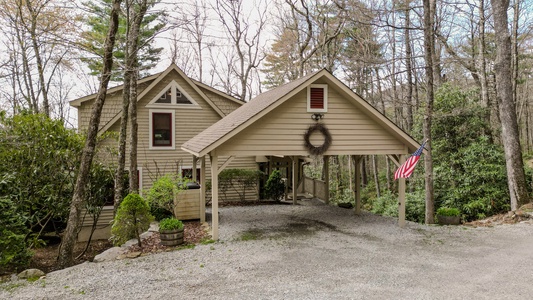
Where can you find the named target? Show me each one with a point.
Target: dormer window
(173, 96)
(317, 98)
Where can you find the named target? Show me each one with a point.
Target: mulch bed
(45, 258)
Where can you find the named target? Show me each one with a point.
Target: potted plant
(171, 232)
(164, 195)
(448, 216)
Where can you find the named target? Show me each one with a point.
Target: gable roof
(241, 118)
(155, 79)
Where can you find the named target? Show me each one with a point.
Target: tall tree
(429, 42)
(504, 94)
(135, 11)
(36, 37)
(93, 39)
(66, 250)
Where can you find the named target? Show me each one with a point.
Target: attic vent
(317, 98)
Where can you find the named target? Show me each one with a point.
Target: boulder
(109, 254)
(30, 273)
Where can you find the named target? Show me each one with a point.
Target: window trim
(325, 88)
(175, 88)
(172, 146)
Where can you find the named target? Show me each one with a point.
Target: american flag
(405, 170)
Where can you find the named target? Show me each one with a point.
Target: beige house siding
(112, 106)
(189, 122)
(281, 131)
(225, 105)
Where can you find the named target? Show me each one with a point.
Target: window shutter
(316, 98)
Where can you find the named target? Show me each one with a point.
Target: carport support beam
(326, 177)
(401, 197)
(214, 197)
(202, 189)
(294, 188)
(357, 195)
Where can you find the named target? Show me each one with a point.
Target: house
(172, 108)
(314, 115)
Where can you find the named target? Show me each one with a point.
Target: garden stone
(109, 254)
(30, 273)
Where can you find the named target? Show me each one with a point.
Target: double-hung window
(162, 129)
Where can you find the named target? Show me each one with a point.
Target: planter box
(449, 220)
(188, 207)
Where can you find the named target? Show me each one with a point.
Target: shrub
(170, 224)
(13, 247)
(39, 159)
(448, 212)
(132, 218)
(163, 193)
(275, 187)
(415, 206)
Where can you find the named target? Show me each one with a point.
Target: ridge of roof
(214, 133)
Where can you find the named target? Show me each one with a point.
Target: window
(165, 97)
(173, 96)
(317, 98)
(161, 129)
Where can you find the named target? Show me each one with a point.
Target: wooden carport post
(202, 189)
(214, 196)
(294, 189)
(325, 172)
(357, 162)
(401, 196)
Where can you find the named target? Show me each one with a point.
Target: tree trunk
(69, 239)
(504, 93)
(409, 68)
(133, 64)
(429, 40)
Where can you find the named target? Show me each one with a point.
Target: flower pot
(171, 237)
(449, 220)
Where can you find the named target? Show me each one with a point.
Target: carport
(314, 115)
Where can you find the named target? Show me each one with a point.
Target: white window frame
(317, 110)
(175, 88)
(150, 132)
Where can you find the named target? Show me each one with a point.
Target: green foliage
(98, 22)
(163, 193)
(448, 211)
(275, 187)
(469, 167)
(170, 224)
(40, 158)
(13, 248)
(239, 180)
(415, 206)
(386, 205)
(132, 218)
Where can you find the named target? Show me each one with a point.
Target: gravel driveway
(311, 251)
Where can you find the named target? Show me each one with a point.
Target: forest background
(435, 68)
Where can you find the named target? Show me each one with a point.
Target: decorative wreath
(327, 139)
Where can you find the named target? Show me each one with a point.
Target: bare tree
(66, 250)
(504, 93)
(246, 41)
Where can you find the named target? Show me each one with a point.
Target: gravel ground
(311, 251)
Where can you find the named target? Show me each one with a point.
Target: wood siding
(112, 106)
(281, 131)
